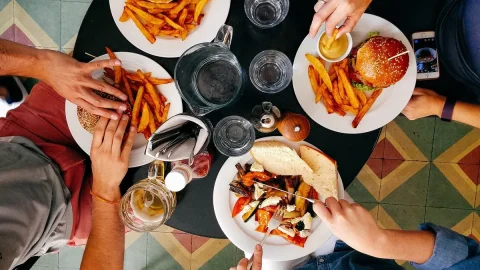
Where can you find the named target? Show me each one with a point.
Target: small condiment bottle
(182, 173)
(265, 117)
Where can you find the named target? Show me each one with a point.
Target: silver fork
(272, 225)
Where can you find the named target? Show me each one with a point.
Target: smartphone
(426, 54)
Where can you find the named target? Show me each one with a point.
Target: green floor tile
(446, 135)
(413, 191)
(3, 4)
(50, 260)
(359, 193)
(71, 256)
(136, 254)
(449, 218)
(239, 254)
(158, 257)
(225, 259)
(441, 192)
(36, 267)
(419, 131)
(406, 217)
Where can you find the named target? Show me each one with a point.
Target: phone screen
(426, 55)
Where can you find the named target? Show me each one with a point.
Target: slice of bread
(278, 158)
(325, 176)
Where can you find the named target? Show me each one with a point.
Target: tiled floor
(424, 170)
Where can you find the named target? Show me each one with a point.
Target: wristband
(102, 199)
(447, 111)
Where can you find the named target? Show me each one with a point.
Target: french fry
(157, 10)
(165, 113)
(124, 16)
(348, 89)
(128, 89)
(145, 119)
(140, 26)
(150, 5)
(190, 27)
(116, 69)
(198, 10)
(189, 18)
(321, 70)
(154, 29)
(151, 122)
(194, 2)
(145, 15)
(331, 69)
(312, 75)
(349, 109)
(150, 90)
(171, 23)
(200, 19)
(182, 17)
(336, 95)
(147, 134)
(181, 4)
(136, 106)
(341, 90)
(157, 81)
(361, 96)
(331, 39)
(343, 64)
(365, 108)
(169, 33)
(156, 113)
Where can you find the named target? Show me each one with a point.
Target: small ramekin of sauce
(339, 50)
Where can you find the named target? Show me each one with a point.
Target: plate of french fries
(167, 28)
(326, 94)
(152, 99)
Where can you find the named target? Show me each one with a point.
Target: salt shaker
(182, 173)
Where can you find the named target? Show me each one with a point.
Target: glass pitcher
(208, 75)
(148, 204)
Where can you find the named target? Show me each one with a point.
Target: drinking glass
(208, 75)
(271, 71)
(148, 204)
(266, 13)
(234, 136)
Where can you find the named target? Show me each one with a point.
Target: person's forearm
(467, 113)
(21, 60)
(106, 243)
(413, 246)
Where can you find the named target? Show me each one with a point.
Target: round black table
(194, 212)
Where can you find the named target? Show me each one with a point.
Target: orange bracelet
(102, 199)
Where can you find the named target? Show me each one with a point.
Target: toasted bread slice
(325, 176)
(278, 158)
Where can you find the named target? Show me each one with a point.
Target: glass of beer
(208, 75)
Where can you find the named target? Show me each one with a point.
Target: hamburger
(370, 68)
(88, 120)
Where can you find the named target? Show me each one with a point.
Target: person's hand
(73, 81)
(352, 223)
(424, 102)
(332, 12)
(110, 156)
(257, 260)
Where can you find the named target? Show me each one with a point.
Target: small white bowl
(347, 52)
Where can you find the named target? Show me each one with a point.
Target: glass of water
(266, 13)
(271, 71)
(234, 136)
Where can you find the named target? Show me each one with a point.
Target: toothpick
(405, 52)
(91, 55)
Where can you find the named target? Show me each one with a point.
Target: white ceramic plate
(131, 62)
(243, 235)
(387, 106)
(216, 12)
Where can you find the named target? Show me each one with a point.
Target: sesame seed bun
(373, 65)
(88, 120)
